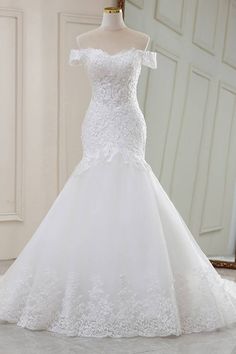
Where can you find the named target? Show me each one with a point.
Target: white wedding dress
(113, 257)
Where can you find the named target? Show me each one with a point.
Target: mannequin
(113, 35)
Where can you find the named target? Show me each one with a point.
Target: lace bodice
(113, 121)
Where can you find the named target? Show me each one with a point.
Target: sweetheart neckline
(123, 51)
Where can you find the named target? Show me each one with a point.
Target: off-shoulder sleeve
(76, 57)
(149, 59)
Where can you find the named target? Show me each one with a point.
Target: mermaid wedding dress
(113, 257)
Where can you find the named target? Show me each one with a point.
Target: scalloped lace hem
(72, 311)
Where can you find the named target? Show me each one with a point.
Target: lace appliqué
(149, 59)
(107, 155)
(65, 307)
(122, 315)
(77, 57)
(113, 121)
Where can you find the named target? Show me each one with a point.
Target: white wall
(42, 105)
(190, 108)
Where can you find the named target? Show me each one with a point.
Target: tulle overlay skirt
(113, 257)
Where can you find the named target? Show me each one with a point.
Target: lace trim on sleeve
(149, 59)
(76, 57)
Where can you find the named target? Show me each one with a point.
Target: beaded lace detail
(199, 302)
(114, 122)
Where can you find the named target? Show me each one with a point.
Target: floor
(16, 340)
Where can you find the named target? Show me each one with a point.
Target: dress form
(113, 35)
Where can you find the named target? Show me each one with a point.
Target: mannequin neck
(112, 21)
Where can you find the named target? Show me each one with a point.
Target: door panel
(43, 100)
(189, 105)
